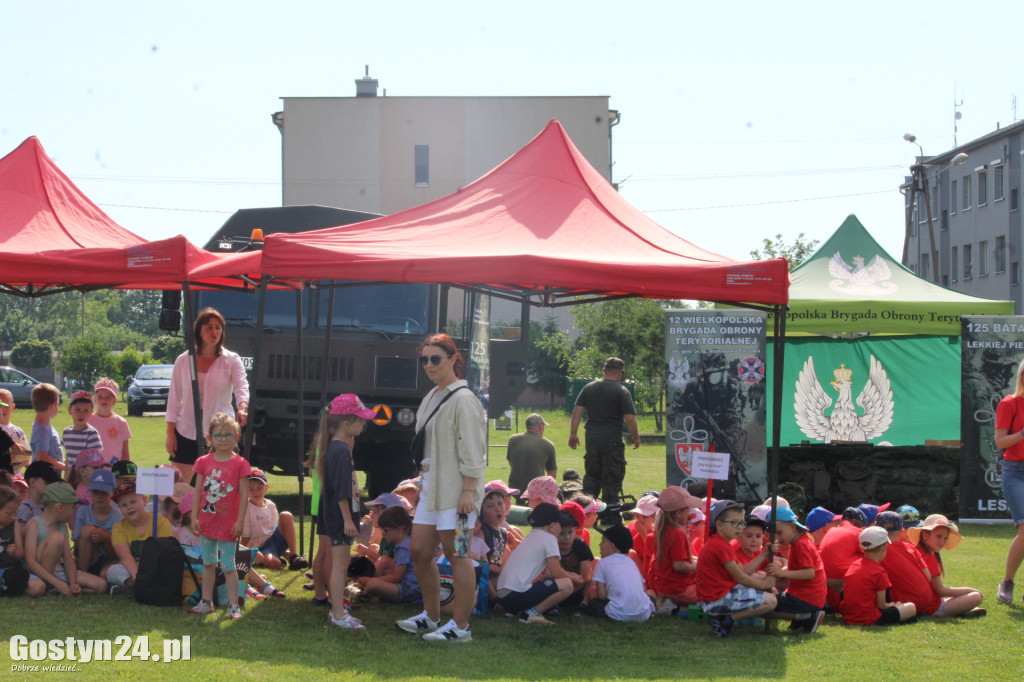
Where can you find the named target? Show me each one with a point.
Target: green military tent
(872, 350)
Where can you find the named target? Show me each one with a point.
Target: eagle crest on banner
(860, 280)
(844, 423)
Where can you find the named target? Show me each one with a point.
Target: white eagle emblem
(844, 423)
(860, 280)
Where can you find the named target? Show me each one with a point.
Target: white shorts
(443, 519)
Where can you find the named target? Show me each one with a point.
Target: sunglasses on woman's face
(431, 359)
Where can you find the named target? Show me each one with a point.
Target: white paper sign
(154, 481)
(712, 465)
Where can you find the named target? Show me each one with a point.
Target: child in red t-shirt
(938, 533)
(803, 602)
(671, 573)
(865, 583)
(750, 549)
(725, 592)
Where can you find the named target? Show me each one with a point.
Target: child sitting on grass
(14, 578)
(19, 453)
(865, 586)
(619, 585)
(519, 590)
(400, 584)
(751, 550)
(726, 593)
(671, 575)
(936, 534)
(911, 580)
(490, 528)
(45, 441)
(803, 602)
(114, 430)
(94, 523)
(38, 475)
(48, 551)
(136, 524)
(374, 545)
(576, 558)
(271, 532)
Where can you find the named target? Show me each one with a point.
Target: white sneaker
(417, 624)
(450, 632)
(347, 622)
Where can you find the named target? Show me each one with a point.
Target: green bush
(86, 360)
(129, 360)
(32, 353)
(167, 348)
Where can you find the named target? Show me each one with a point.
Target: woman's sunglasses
(431, 359)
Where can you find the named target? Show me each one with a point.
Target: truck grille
(395, 372)
(285, 366)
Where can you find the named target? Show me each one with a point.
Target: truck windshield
(240, 308)
(390, 308)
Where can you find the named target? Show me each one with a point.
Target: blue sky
(739, 120)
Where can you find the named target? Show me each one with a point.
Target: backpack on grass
(161, 567)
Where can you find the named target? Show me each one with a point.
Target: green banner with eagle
(899, 390)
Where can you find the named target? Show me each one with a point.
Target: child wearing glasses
(726, 593)
(222, 479)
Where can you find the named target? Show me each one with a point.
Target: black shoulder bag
(419, 441)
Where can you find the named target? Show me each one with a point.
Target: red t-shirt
(664, 579)
(905, 569)
(641, 549)
(839, 549)
(218, 504)
(713, 581)
(742, 558)
(1010, 416)
(803, 554)
(860, 592)
(931, 562)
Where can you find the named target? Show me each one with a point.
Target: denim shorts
(1013, 489)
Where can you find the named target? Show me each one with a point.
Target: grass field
(290, 638)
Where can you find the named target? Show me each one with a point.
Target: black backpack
(161, 567)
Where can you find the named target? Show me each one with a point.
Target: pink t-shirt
(220, 497)
(114, 433)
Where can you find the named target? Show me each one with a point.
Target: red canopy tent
(542, 224)
(53, 238)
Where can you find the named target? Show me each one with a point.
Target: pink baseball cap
(676, 497)
(90, 457)
(647, 505)
(543, 488)
(185, 506)
(349, 403)
(696, 516)
(19, 480)
(500, 486)
(106, 384)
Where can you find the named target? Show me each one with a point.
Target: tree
(129, 360)
(167, 348)
(32, 354)
(548, 363)
(86, 360)
(796, 253)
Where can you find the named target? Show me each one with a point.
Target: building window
(967, 261)
(1013, 199)
(982, 258)
(954, 264)
(944, 223)
(966, 195)
(421, 165)
(997, 191)
(1000, 254)
(982, 188)
(952, 197)
(1014, 273)
(924, 265)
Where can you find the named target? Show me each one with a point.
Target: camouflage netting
(839, 476)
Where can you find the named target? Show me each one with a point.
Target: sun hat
(105, 384)
(500, 486)
(931, 523)
(618, 536)
(722, 506)
(788, 515)
(102, 480)
(676, 497)
(889, 520)
(819, 517)
(574, 510)
(647, 505)
(873, 537)
(349, 403)
(389, 500)
(543, 488)
(60, 493)
(570, 475)
(911, 517)
(595, 507)
(544, 514)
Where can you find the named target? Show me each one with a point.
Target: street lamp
(919, 183)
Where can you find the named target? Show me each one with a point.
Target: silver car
(148, 390)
